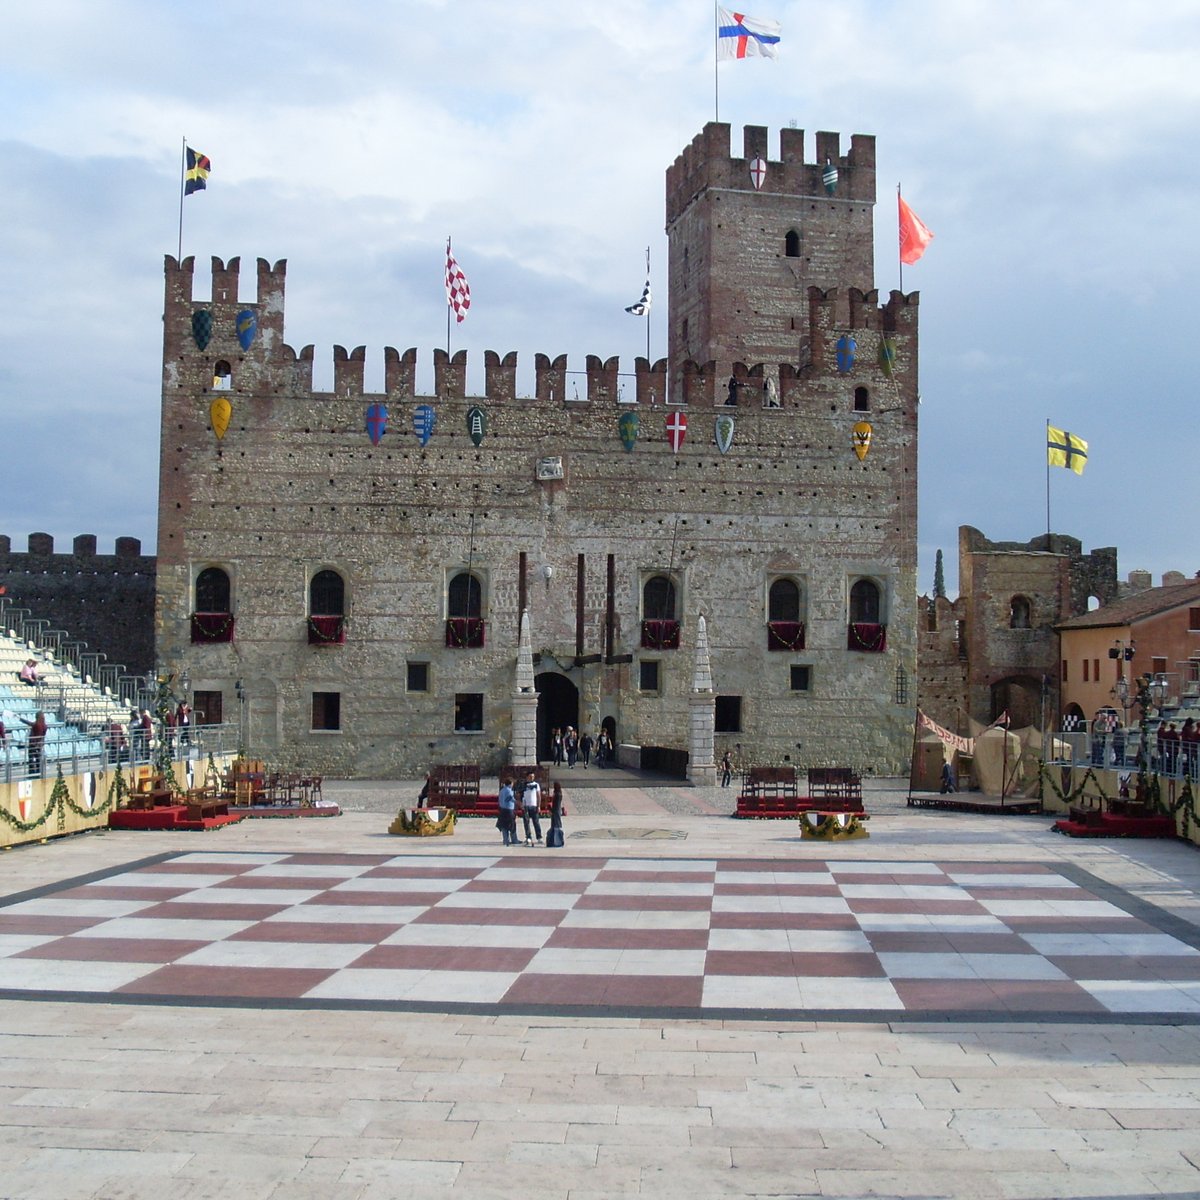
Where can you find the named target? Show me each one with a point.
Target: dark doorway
(558, 707)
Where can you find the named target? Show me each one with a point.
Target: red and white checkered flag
(458, 291)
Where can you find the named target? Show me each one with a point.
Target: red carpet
(169, 816)
(1114, 825)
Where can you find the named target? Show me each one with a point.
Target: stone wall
(106, 600)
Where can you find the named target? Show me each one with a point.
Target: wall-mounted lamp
(547, 573)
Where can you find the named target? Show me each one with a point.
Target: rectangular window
(1085, 670)
(728, 714)
(1158, 666)
(648, 675)
(206, 708)
(1096, 670)
(327, 710)
(468, 712)
(1064, 670)
(1194, 620)
(418, 677)
(801, 678)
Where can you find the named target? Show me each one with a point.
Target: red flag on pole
(914, 235)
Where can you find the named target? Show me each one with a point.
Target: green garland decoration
(1186, 803)
(57, 806)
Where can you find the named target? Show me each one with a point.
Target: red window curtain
(865, 636)
(464, 633)
(785, 635)
(660, 635)
(212, 627)
(326, 631)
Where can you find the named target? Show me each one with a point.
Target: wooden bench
(770, 781)
(199, 807)
(834, 787)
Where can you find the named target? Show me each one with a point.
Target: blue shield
(247, 327)
(424, 419)
(377, 419)
(846, 349)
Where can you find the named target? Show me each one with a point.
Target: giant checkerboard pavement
(527, 931)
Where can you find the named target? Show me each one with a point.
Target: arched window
(658, 599)
(222, 377)
(785, 620)
(212, 617)
(783, 601)
(791, 244)
(212, 591)
(862, 400)
(1020, 613)
(327, 595)
(864, 602)
(465, 597)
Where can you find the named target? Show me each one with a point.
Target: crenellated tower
(742, 258)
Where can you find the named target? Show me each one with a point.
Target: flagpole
(899, 259)
(716, 73)
(648, 361)
(1047, 483)
(182, 177)
(448, 305)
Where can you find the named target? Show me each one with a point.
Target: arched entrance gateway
(558, 707)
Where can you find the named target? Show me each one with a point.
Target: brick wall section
(106, 600)
(1005, 667)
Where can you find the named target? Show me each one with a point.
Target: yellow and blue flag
(195, 176)
(1065, 450)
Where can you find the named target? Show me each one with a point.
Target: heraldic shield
(219, 412)
(477, 424)
(847, 347)
(860, 437)
(677, 424)
(724, 433)
(424, 419)
(377, 422)
(247, 327)
(887, 355)
(202, 327)
(628, 424)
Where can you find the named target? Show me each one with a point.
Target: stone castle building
(995, 649)
(355, 597)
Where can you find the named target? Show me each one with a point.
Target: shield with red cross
(377, 422)
(758, 173)
(676, 430)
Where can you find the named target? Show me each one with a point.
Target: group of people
(531, 800)
(1179, 749)
(569, 746)
(131, 741)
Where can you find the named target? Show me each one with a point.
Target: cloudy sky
(1049, 145)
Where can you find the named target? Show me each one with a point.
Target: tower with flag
(755, 475)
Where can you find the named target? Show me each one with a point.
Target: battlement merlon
(268, 304)
(708, 162)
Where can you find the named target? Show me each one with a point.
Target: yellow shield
(219, 412)
(860, 437)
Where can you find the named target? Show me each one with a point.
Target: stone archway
(558, 707)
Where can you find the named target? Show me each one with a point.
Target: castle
(345, 573)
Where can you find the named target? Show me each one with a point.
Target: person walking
(531, 799)
(726, 769)
(572, 744)
(507, 820)
(585, 749)
(558, 747)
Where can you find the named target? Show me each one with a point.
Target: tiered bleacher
(77, 712)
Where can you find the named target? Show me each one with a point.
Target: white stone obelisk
(702, 764)
(523, 748)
